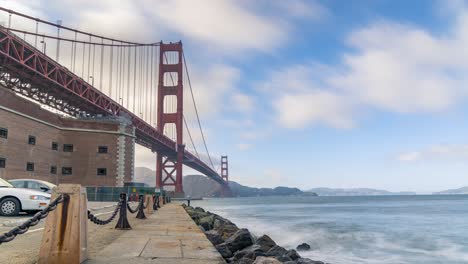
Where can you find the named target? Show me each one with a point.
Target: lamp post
(44, 46)
(59, 22)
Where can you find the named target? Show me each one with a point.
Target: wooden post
(65, 232)
(161, 200)
(149, 204)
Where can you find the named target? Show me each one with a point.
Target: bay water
(358, 229)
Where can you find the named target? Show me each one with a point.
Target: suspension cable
(196, 110)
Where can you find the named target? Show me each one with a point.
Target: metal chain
(131, 210)
(97, 221)
(24, 227)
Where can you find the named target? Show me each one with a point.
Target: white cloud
(242, 102)
(436, 152)
(244, 146)
(409, 156)
(298, 110)
(391, 67)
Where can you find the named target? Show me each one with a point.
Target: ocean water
(371, 229)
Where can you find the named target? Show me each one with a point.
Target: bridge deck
(168, 236)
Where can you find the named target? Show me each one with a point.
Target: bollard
(149, 204)
(155, 202)
(160, 201)
(123, 223)
(65, 231)
(164, 199)
(141, 212)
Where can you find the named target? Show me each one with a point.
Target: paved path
(167, 237)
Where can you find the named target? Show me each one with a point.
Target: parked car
(38, 185)
(14, 200)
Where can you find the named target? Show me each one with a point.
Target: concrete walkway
(167, 237)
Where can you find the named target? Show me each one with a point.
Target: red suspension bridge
(84, 74)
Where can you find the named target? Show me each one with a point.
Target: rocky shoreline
(239, 246)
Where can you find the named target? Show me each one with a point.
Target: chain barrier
(155, 202)
(23, 228)
(98, 221)
(132, 211)
(141, 212)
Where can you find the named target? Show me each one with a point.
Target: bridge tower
(169, 169)
(224, 168)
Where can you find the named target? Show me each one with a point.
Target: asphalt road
(25, 248)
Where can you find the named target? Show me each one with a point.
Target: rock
(224, 227)
(199, 209)
(266, 260)
(249, 252)
(303, 247)
(239, 240)
(293, 254)
(207, 222)
(307, 261)
(223, 249)
(214, 237)
(277, 251)
(284, 258)
(243, 261)
(265, 242)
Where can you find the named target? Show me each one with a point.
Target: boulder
(307, 261)
(293, 254)
(207, 222)
(283, 258)
(266, 260)
(265, 242)
(199, 209)
(243, 261)
(214, 237)
(277, 251)
(250, 252)
(239, 240)
(303, 247)
(224, 250)
(224, 227)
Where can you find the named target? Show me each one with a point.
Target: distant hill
(200, 186)
(354, 192)
(462, 190)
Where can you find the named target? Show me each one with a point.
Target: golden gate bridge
(84, 74)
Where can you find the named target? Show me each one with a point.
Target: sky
(341, 94)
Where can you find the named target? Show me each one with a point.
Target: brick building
(39, 144)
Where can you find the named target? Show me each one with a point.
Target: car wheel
(9, 207)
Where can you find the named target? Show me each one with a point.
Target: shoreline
(238, 245)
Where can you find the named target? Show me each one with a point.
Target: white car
(34, 184)
(14, 200)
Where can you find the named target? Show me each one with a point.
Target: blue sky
(368, 93)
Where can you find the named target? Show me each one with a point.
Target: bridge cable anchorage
(98, 221)
(196, 110)
(24, 227)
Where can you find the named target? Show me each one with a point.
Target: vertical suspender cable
(37, 31)
(89, 58)
(83, 60)
(151, 87)
(74, 52)
(128, 76)
(102, 66)
(134, 80)
(111, 68)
